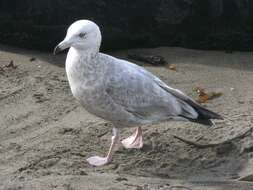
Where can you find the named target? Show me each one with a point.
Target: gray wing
(204, 115)
(144, 95)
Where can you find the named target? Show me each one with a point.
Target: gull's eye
(81, 35)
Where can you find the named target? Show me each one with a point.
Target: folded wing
(148, 98)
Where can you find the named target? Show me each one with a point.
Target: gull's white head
(82, 35)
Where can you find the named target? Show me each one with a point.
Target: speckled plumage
(121, 92)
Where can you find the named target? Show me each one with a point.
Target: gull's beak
(61, 46)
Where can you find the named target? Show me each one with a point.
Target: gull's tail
(204, 115)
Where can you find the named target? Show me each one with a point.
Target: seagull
(120, 91)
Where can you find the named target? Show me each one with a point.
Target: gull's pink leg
(135, 140)
(100, 161)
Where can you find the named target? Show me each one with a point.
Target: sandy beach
(46, 135)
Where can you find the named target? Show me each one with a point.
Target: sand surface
(46, 135)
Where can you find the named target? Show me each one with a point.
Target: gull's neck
(88, 54)
(81, 60)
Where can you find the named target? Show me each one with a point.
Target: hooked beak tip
(57, 49)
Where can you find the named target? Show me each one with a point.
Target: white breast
(83, 74)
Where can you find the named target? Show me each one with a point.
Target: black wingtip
(205, 116)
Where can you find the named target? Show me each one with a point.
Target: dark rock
(205, 24)
(155, 60)
(32, 59)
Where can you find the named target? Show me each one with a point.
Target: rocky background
(202, 24)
